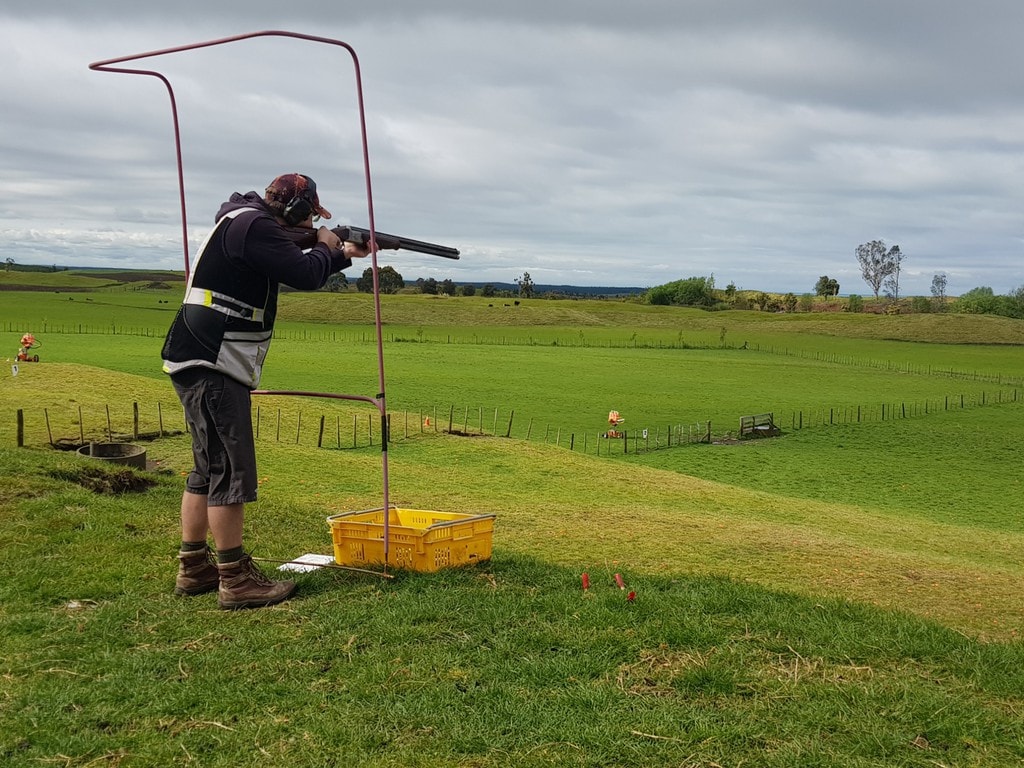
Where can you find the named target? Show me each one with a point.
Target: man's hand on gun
(352, 250)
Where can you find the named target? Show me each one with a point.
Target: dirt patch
(100, 480)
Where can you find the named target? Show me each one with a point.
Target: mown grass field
(845, 595)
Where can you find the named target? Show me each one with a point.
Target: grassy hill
(845, 595)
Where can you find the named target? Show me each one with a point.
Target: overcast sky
(586, 142)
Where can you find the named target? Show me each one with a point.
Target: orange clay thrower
(28, 343)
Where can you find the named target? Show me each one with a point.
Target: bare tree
(939, 291)
(892, 280)
(877, 263)
(525, 284)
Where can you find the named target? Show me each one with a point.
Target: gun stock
(306, 238)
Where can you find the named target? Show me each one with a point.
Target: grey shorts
(219, 415)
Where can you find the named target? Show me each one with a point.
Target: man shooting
(214, 353)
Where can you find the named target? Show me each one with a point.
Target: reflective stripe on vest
(221, 302)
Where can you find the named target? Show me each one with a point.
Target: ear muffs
(301, 207)
(297, 211)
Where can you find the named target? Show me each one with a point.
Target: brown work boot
(243, 585)
(197, 573)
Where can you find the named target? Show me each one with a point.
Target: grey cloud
(584, 141)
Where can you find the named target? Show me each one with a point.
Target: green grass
(570, 390)
(509, 663)
(890, 467)
(845, 595)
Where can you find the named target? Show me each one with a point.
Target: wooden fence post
(135, 420)
(21, 428)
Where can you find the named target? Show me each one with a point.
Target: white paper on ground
(307, 562)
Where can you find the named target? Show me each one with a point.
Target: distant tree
(789, 302)
(939, 282)
(659, 295)
(467, 290)
(525, 284)
(730, 291)
(983, 300)
(337, 283)
(877, 263)
(977, 301)
(1016, 301)
(388, 280)
(447, 287)
(855, 303)
(9, 264)
(921, 305)
(428, 286)
(364, 284)
(826, 286)
(892, 281)
(487, 291)
(806, 303)
(692, 292)
(695, 292)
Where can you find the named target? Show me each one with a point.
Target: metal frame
(380, 401)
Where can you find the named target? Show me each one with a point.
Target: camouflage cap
(286, 188)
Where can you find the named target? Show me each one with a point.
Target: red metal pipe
(110, 65)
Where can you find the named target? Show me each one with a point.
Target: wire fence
(341, 427)
(581, 340)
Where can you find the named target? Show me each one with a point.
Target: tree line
(881, 268)
(390, 281)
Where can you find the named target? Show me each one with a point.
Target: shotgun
(305, 237)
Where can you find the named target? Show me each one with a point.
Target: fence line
(121, 423)
(580, 340)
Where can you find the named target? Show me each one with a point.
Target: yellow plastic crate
(418, 539)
